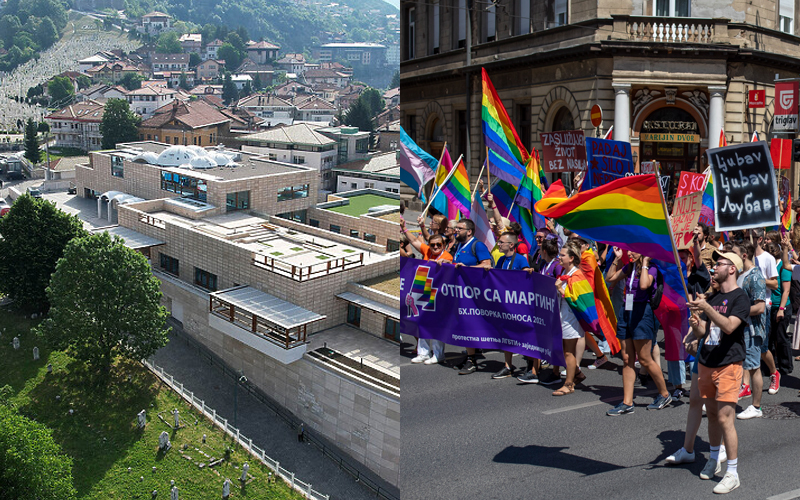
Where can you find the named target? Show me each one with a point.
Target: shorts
(753, 345)
(720, 384)
(639, 324)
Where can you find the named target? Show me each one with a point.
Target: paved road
(473, 437)
(257, 422)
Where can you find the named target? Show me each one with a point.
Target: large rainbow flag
(627, 212)
(441, 202)
(607, 319)
(507, 154)
(457, 187)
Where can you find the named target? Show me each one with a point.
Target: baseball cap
(737, 261)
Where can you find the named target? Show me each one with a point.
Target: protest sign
(784, 188)
(648, 167)
(685, 214)
(745, 193)
(512, 311)
(563, 151)
(664, 180)
(689, 183)
(607, 161)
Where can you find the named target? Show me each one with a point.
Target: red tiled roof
(194, 114)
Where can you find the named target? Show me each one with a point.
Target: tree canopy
(168, 43)
(105, 303)
(229, 91)
(119, 123)
(32, 464)
(61, 91)
(34, 234)
(373, 100)
(32, 150)
(132, 81)
(232, 56)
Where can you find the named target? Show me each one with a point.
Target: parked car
(4, 207)
(72, 189)
(35, 192)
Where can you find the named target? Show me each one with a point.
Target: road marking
(603, 401)
(789, 495)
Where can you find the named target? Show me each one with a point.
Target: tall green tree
(229, 91)
(105, 303)
(132, 81)
(32, 150)
(233, 57)
(358, 116)
(61, 90)
(34, 233)
(46, 33)
(119, 123)
(32, 464)
(168, 43)
(373, 100)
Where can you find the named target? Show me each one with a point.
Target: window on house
(490, 23)
(117, 168)
(184, 186)
(205, 279)
(461, 22)
(170, 264)
(391, 330)
(786, 16)
(336, 229)
(522, 24)
(313, 222)
(369, 237)
(354, 233)
(293, 192)
(353, 185)
(353, 315)
(411, 22)
(560, 13)
(237, 201)
(392, 245)
(674, 8)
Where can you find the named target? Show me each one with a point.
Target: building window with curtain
(671, 8)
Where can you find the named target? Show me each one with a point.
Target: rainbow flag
(722, 140)
(672, 312)
(441, 202)
(457, 187)
(707, 211)
(627, 212)
(580, 296)
(786, 218)
(607, 319)
(507, 154)
(530, 189)
(504, 194)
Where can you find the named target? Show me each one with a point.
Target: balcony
(672, 29)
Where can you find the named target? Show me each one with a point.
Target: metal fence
(246, 443)
(345, 463)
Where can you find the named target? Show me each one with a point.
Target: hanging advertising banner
(563, 151)
(756, 98)
(785, 118)
(781, 152)
(745, 192)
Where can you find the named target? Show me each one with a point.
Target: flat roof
(133, 239)
(388, 283)
(361, 203)
(268, 307)
(370, 304)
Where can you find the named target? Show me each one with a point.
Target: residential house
(92, 61)
(101, 92)
(112, 72)
(329, 76)
(292, 63)
(265, 72)
(77, 125)
(194, 123)
(211, 49)
(147, 99)
(155, 23)
(292, 89)
(262, 52)
(191, 42)
(388, 137)
(209, 69)
(392, 97)
(170, 62)
(314, 109)
(367, 54)
(387, 116)
(274, 110)
(347, 96)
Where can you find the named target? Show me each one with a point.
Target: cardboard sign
(664, 180)
(781, 151)
(648, 167)
(756, 98)
(564, 151)
(685, 215)
(785, 106)
(689, 183)
(745, 193)
(608, 161)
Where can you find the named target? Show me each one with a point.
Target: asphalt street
(473, 437)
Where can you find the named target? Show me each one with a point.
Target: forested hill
(294, 25)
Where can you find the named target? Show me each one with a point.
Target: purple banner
(507, 310)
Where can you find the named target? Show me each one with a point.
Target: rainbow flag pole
(672, 236)
(439, 187)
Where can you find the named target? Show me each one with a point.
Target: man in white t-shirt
(766, 262)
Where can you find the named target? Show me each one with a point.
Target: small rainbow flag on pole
(786, 218)
(707, 210)
(507, 154)
(457, 187)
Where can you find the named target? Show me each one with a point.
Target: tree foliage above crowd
(27, 27)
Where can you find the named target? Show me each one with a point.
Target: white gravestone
(36, 354)
(141, 417)
(245, 469)
(226, 488)
(176, 414)
(163, 441)
(15, 343)
(173, 495)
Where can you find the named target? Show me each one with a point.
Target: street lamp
(635, 159)
(241, 380)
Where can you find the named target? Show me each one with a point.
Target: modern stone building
(289, 303)
(655, 68)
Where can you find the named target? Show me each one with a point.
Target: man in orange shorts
(721, 320)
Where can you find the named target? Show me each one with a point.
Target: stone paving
(357, 345)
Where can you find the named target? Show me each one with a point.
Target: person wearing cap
(720, 320)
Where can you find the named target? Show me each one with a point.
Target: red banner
(756, 98)
(689, 183)
(781, 152)
(785, 117)
(563, 151)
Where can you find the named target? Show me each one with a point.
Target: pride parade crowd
(742, 297)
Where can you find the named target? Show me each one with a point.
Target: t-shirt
(720, 349)
(516, 263)
(464, 253)
(427, 254)
(785, 275)
(752, 282)
(767, 264)
(552, 268)
(633, 287)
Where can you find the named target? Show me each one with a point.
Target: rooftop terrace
(359, 204)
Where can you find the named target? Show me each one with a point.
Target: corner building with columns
(669, 75)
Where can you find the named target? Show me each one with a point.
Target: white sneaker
(723, 457)
(680, 457)
(750, 412)
(729, 483)
(564, 372)
(420, 359)
(637, 364)
(711, 469)
(431, 361)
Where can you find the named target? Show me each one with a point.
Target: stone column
(622, 111)
(99, 208)
(110, 203)
(716, 114)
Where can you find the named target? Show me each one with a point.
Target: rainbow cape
(627, 212)
(507, 154)
(607, 319)
(580, 296)
(457, 187)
